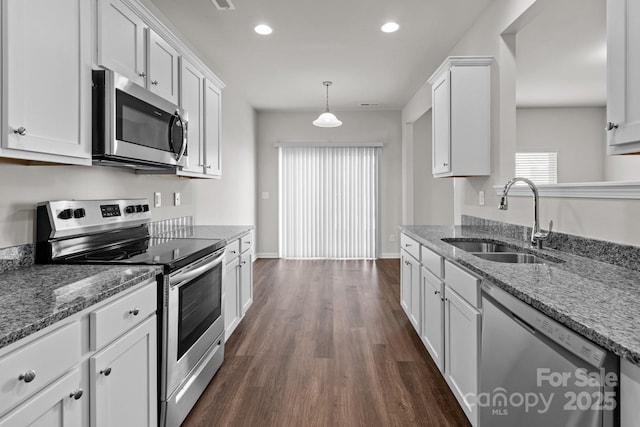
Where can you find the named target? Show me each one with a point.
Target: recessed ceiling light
(390, 27)
(263, 30)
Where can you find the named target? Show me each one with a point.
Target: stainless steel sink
(481, 246)
(500, 252)
(512, 258)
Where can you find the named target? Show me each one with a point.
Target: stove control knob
(79, 213)
(66, 214)
(138, 208)
(130, 209)
(145, 208)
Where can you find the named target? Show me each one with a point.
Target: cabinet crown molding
(459, 61)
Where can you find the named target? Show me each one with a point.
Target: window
(328, 201)
(541, 168)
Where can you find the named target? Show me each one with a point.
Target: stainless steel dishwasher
(536, 372)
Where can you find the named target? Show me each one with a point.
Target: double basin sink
(500, 252)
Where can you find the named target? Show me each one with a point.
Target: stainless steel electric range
(190, 312)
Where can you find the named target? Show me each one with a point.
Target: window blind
(328, 202)
(541, 168)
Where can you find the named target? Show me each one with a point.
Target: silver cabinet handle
(407, 262)
(208, 166)
(155, 82)
(445, 164)
(106, 372)
(143, 74)
(135, 311)
(28, 376)
(77, 394)
(233, 252)
(611, 126)
(443, 299)
(244, 262)
(406, 245)
(20, 131)
(436, 292)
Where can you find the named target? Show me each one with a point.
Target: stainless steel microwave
(133, 127)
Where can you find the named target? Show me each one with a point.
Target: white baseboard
(390, 255)
(267, 255)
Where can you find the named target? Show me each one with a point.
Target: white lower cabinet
(237, 281)
(410, 289)
(58, 405)
(433, 316)
(462, 350)
(57, 378)
(124, 380)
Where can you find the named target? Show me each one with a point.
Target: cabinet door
(121, 44)
(231, 282)
(212, 130)
(191, 100)
(58, 405)
(162, 67)
(441, 123)
(124, 378)
(246, 282)
(416, 296)
(623, 76)
(47, 87)
(433, 317)
(462, 349)
(405, 283)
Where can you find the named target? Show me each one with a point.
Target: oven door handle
(190, 274)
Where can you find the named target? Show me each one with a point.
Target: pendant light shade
(327, 119)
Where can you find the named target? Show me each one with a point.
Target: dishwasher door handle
(524, 324)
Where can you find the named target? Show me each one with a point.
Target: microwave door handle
(183, 146)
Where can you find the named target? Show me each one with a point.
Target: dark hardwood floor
(326, 343)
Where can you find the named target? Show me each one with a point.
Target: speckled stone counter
(224, 232)
(35, 297)
(598, 300)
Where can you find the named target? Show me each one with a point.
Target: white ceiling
(322, 40)
(561, 56)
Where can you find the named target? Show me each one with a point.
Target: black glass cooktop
(167, 252)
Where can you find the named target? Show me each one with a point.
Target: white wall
(432, 197)
(576, 134)
(614, 220)
(384, 126)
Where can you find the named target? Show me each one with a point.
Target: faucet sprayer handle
(544, 235)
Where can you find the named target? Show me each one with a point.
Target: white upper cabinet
(128, 46)
(192, 101)
(461, 111)
(623, 76)
(212, 130)
(162, 67)
(121, 40)
(46, 84)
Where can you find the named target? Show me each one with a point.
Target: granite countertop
(597, 300)
(224, 232)
(35, 297)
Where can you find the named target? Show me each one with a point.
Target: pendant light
(327, 119)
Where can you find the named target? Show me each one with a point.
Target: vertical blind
(328, 202)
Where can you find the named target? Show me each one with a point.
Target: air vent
(223, 4)
(368, 105)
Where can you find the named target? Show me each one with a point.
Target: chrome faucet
(537, 235)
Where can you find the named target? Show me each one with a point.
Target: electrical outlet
(157, 199)
(176, 199)
(481, 198)
(392, 237)
(265, 195)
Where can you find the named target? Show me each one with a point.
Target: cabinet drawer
(47, 358)
(410, 245)
(464, 283)
(233, 250)
(116, 318)
(431, 261)
(246, 242)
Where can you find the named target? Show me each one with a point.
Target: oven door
(194, 317)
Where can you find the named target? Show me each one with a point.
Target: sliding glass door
(328, 201)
